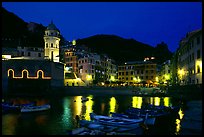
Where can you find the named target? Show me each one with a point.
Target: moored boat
(35, 108)
(116, 121)
(10, 107)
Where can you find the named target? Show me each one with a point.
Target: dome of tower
(52, 26)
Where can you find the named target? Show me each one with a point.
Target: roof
(52, 26)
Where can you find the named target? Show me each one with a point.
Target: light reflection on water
(63, 112)
(178, 122)
(89, 107)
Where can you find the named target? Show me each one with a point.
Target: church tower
(52, 39)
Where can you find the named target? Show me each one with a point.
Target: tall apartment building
(87, 69)
(190, 59)
(165, 75)
(71, 59)
(136, 72)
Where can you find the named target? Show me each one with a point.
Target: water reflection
(166, 101)
(77, 105)
(112, 104)
(9, 123)
(89, 105)
(136, 102)
(66, 115)
(63, 112)
(178, 122)
(156, 101)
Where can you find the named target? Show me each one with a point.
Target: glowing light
(134, 79)
(166, 101)
(167, 77)
(66, 68)
(151, 100)
(181, 73)
(138, 79)
(199, 64)
(156, 101)
(112, 104)
(89, 105)
(137, 102)
(178, 126)
(178, 122)
(180, 114)
(88, 77)
(112, 78)
(77, 105)
(157, 79)
(74, 42)
(27, 74)
(6, 57)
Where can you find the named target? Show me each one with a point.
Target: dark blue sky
(147, 22)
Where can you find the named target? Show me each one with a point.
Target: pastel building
(190, 59)
(137, 72)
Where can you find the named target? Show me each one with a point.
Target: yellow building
(71, 79)
(190, 59)
(138, 72)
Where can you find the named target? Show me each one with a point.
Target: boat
(109, 129)
(95, 125)
(151, 113)
(147, 119)
(116, 121)
(10, 107)
(35, 108)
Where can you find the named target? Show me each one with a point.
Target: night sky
(147, 22)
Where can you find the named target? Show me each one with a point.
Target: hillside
(122, 50)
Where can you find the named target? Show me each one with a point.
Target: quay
(191, 124)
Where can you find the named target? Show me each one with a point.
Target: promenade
(191, 123)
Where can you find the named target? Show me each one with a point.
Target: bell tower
(51, 39)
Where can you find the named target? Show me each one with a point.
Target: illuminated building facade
(52, 38)
(87, 69)
(35, 52)
(165, 75)
(30, 74)
(71, 59)
(137, 72)
(190, 59)
(98, 68)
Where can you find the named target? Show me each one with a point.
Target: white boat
(109, 129)
(116, 121)
(147, 120)
(35, 108)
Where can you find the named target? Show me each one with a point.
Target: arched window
(10, 73)
(25, 73)
(40, 74)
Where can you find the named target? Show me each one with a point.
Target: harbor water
(61, 117)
